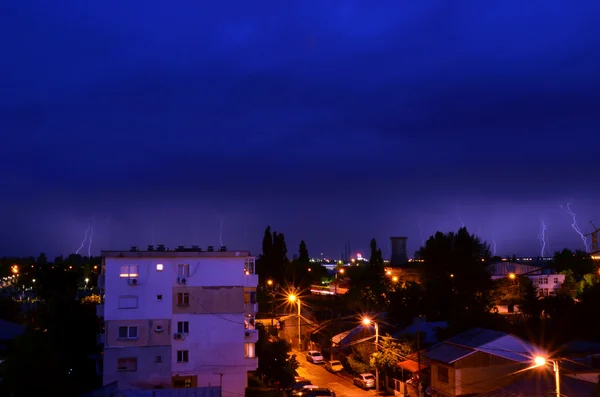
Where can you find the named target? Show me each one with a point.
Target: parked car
(300, 392)
(299, 384)
(334, 366)
(318, 393)
(314, 357)
(366, 381)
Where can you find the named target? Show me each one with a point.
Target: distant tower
(399, 256)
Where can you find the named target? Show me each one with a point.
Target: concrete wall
(147, 333)
(484, 379)
(203, 272)
(192, 392)
(211, 340)
(204, 300)
(149, 373)
(446, 388)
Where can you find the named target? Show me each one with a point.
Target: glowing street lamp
(512, 276)
(292, 298)
(541, 361)
(367, 321)
(269, 282)
(15, 269)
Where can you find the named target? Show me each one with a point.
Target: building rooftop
(487, 341)
(161, 251)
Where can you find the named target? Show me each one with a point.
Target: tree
(579, 262)
(456, 275)
(10, 310)
(405, 303)
(390, 352)
(376, 258)
(303, 253)
(530, 304)
(274, 360)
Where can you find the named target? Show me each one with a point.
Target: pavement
(318, 375)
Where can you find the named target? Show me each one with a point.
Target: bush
(254, 381)
(357, 366)
(261, 392)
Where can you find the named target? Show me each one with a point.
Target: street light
(540, 361)
(294, 299)
(367, 321)
(512, 276)
(269, 282)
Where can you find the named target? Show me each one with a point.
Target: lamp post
(540, 361)
(294, 299)
(271, 293)
(367, 321)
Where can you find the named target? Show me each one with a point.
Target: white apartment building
(547, 284)
(179, 318)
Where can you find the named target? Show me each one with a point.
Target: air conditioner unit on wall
(132, 281)
(181, 280)
(178, 336)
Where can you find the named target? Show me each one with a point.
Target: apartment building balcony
(250, 280)
(250, 335)
(100, 310)
(250, 308)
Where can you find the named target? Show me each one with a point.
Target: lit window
(129, 271)
(249, 350)
(183, 356)
(159, 267)
(249, 266)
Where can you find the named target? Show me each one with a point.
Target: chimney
(399, 257)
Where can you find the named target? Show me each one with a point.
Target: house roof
(10, 331)
(535, 383)
(475, 337)
(428, 328)
(411, 365)
(491, 342)
(447, 353)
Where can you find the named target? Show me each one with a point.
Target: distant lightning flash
(421, 234)
(85, 236)
(542, 236)
(575, 226)
(221, 232)
(91, 229)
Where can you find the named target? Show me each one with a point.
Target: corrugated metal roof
(447, 353)
(476, 337)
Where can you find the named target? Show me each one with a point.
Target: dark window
(442, 374)
(183, 327)
(182, 356)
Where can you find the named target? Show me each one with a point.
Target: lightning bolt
(91, 229)
(542, 236)
(462, 224)
(85, 236)
(494, 246)
(575, 225)
(421, 234)
(221, 231)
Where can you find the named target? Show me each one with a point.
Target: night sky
(196, 122)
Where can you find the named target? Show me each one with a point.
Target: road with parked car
(328, 376)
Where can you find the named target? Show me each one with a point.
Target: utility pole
(418, 356)
(220, 383)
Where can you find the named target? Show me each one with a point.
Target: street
(318, 375)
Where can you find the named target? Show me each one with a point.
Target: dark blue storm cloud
(271, 110)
